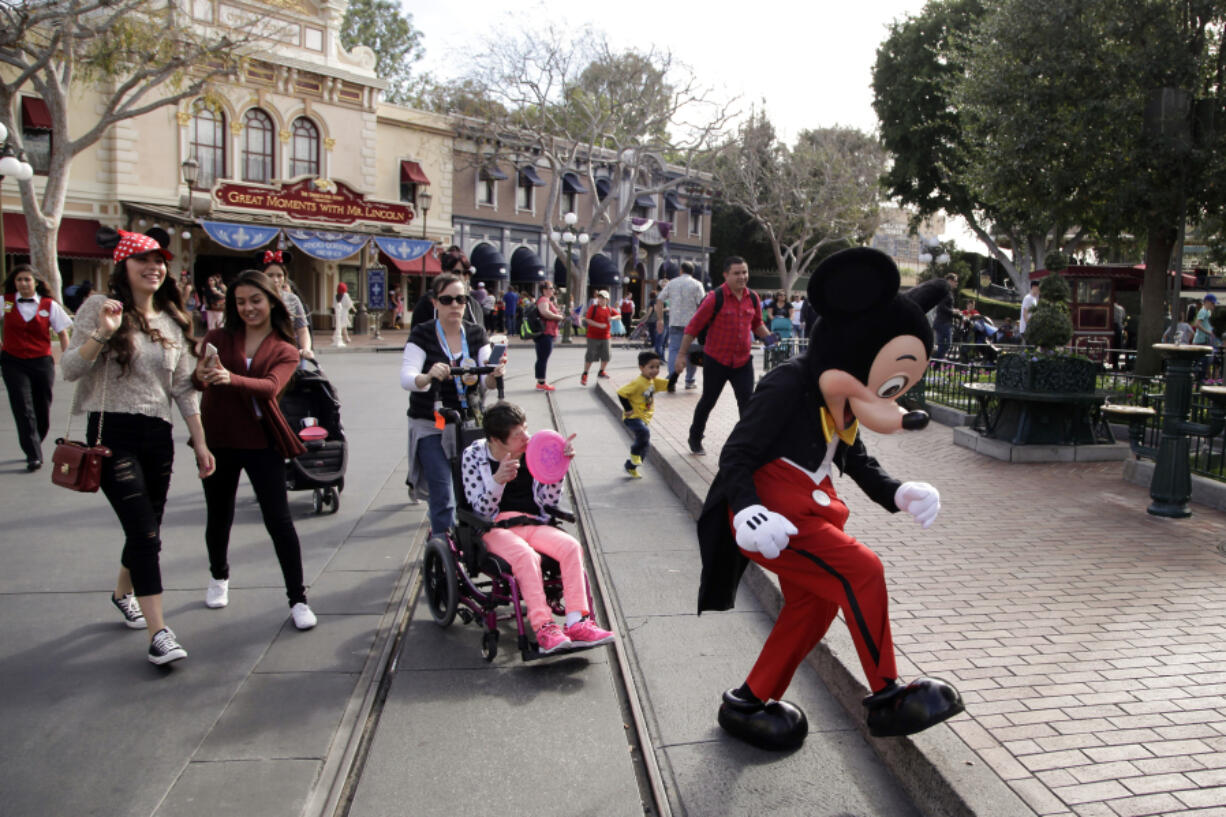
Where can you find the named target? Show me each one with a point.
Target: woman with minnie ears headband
(132, 358)
(274, 264)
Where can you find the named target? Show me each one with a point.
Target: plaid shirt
(730, 338)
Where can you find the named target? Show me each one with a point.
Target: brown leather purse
(75, 465)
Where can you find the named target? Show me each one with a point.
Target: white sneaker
(304, 619)
(218, 594)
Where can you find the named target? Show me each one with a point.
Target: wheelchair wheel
(317, 500)
(489, 645)
(441, 581)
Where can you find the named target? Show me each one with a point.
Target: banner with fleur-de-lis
(241, 237)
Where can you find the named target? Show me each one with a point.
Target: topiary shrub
(1050, 326)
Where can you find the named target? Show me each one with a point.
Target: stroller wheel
(317, 500)
(489, 645)
(332, 499)
(440, 580)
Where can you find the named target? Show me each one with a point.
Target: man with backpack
(729, 317)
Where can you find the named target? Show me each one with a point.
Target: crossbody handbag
(75, 465)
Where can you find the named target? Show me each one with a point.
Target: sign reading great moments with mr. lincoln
(317, 200)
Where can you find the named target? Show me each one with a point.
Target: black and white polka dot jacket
(485, 495)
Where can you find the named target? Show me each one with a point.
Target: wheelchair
(462, 579)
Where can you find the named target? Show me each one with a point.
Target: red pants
(822, 571)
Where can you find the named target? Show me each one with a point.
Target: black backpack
(531, 323)
(701, 337)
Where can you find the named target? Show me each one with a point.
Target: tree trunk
(43, 223)
(1153, 296)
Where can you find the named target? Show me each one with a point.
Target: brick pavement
(1087, 637)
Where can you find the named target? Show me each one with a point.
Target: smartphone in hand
(210, 354)
(496, 353)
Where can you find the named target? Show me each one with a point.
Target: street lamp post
(19, 169)
(933, 253)
(567, 236)
(424, 200)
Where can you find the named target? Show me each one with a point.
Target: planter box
(1058, 375)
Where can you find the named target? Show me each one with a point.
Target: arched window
(208, 143)
(258, 160)
(304, 153)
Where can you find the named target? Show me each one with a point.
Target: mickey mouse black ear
(853, 281)
(107, 238)
(159, 235)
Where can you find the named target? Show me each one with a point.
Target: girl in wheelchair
(499, 487)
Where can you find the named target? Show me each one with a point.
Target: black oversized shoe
(904, 710)
(777, 725)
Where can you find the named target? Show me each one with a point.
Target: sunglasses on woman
(448, 300)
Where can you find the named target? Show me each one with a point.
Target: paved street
(261, 719)
(1086, 636)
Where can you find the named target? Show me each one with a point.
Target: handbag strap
(102, 413)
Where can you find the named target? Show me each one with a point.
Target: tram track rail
(336, 799)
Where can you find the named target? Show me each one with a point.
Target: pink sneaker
(551, 639)
(585, 633)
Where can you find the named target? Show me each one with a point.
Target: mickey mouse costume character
(775, 486)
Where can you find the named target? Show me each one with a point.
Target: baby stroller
(639, 337)
(460, 577)
(313, 411)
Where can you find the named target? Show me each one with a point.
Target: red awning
(414, 267)
(75, 240)
(412, 172)
(34, 113)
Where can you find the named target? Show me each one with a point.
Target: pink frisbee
(314, 433)
(546, 456)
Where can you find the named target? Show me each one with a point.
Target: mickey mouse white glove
(762, 531)
(919, 499)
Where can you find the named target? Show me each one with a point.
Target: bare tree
(822, 190)
(139, 55)
(639, 119)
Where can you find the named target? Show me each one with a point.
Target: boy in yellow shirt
(638, 404)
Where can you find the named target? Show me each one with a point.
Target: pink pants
(521, 548)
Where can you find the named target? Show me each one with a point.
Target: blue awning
(672, 201)
(603, 186)
(239, 237)
(572, 184)
(492, 173)
(602, 271)
(528, 174)
(491, 266)
(644, 200)
(668, 270)
(526, 267)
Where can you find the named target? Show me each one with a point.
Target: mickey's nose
(915, 420)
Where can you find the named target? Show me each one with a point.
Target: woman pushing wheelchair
(501, 490)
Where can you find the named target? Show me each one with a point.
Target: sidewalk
(1088, 638)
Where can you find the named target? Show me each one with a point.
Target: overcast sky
(811, 63)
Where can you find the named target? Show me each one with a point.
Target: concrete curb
(943, 775)
(1205, 491)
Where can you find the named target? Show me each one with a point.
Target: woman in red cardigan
(256, 357)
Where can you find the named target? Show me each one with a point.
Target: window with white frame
(524, 195)
(207, 142)
(695, 222)
(304, 148)
(258, 146)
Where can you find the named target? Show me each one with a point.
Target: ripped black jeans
(135, 480)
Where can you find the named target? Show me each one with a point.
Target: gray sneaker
(129, 607)
(165, 647)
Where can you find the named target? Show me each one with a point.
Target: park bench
(1040, 418)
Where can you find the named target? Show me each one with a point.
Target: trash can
(360, 320)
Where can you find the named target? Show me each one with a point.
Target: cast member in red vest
(30, 316)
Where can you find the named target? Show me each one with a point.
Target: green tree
(823, 190)
(138, 55)
(1081, 119)
(385, 29)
